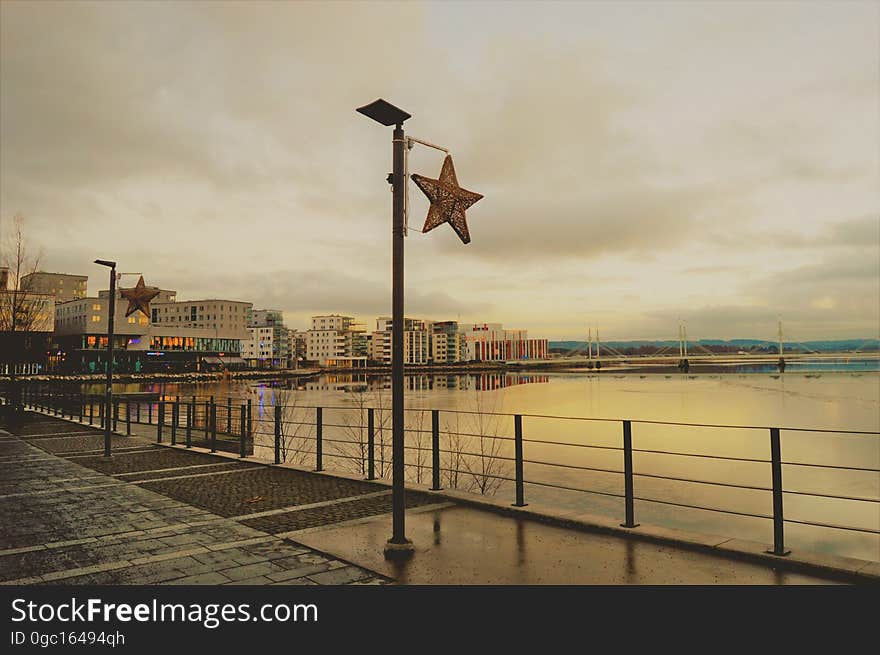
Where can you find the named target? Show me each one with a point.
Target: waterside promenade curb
(846, 569)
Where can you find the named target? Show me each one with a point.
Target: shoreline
(642, 370)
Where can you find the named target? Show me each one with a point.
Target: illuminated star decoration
(448, 200)
(139, 298)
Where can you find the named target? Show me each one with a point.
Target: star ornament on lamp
(448, 200)
(139, 298)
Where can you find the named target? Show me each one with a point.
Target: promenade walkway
(162, 515)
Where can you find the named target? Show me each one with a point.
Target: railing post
(242, 445)
(518, 447)
(319, 439)
(213, 425)
(277, 431)
(228, 415)
(208, 417)
(137, 410)
(149, 413)
(175, 412)
(371, 445)
(81, 406)
(160, 419)
(91, 412)
(189, 423)
(778, 519)
(128, 419)
(628, 475)
(435, 450)
(101, 413)
(250, 419)
(115, 414)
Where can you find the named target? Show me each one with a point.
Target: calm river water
(813, 398)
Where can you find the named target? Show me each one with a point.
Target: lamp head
(384, 112)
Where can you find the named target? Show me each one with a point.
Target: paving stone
(335, 513)
(74, 524)
(251, 570)
(203, 578)
(301, 572)
(251, 581)
(342, 575)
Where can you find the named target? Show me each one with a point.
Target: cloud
(215, 147)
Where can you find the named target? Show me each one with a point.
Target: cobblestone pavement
(153, 515)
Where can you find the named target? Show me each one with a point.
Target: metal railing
(279, 425)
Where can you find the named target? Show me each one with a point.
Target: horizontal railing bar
(849, 528)
(832, 466)
(723, 457)
(862, 499)
(708, 509)
(709, 482)
(571, 466)
(574, 445)
(567, 488)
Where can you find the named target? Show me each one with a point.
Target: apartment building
(62, 286)
(336, 340)
(178, 340)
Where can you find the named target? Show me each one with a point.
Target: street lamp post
(111, 312)
(398, 546)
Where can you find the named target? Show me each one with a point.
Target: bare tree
(356, 427)
(356, 431)
(420, 443)
(297, 429)
(22, 312)
(475, 457)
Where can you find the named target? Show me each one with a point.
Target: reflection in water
(520, 542)
(631, 573)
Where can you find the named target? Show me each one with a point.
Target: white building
(259, 350)
(424, 342)
(227, 316)
(337, 341)
(273, 320)
(490, 342)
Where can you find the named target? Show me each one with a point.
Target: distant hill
(828, 345)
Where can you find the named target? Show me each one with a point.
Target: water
(836, 400)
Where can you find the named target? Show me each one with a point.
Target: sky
(642, 162)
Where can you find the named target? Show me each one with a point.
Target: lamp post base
(398, 552)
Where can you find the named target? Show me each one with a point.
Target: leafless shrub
(476, 448)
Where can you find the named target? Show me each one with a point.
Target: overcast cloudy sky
(641, 162)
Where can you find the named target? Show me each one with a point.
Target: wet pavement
(158, 515)
(70, 516)
(462, 546)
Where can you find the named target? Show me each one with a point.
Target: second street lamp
(108, 395)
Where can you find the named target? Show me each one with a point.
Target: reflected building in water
(359, 382)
